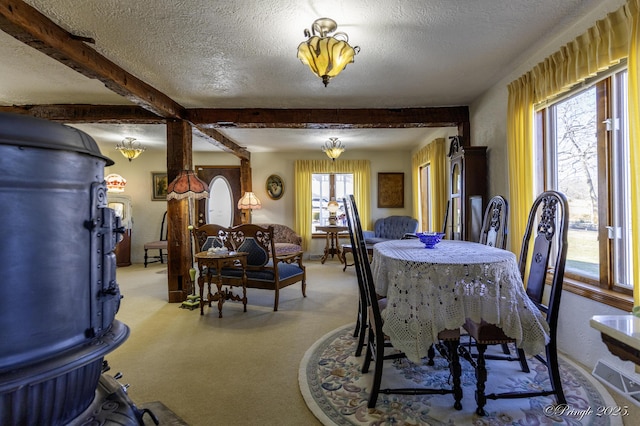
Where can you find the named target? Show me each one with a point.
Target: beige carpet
(241, 369)
(238, 370)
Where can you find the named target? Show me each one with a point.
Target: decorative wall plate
(275, 187)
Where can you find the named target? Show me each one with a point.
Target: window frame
(609, 106)
(332, 196)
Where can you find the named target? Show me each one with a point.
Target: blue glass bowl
(430, 239)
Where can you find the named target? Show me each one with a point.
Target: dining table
(429, 290)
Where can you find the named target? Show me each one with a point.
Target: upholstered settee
(391, 228)
(285, 239)
(265, 269)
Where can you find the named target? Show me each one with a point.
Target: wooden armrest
(288, 258)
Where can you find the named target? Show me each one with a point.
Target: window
(583, 152)
(326, 187)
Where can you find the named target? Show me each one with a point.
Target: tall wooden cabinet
(468, 196)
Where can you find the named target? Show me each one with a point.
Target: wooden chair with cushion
(546, 229)
(494, 233)
(265, 269)
(378, 344)
(160, 245)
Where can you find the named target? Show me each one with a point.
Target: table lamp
(333, 208)
(247, 203)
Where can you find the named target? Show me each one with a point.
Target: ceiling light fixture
(129, 148)
(333, 148)
(326, 55)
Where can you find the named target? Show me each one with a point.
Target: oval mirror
(220, 203)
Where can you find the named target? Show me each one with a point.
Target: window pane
(344, 187)
(320, 198)
(577, 177)
(326, 187)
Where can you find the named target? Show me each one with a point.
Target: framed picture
(390, 190)
(159, 185)
(275, 187)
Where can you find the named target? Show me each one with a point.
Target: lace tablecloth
(429, 290)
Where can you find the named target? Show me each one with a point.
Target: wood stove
(58, 289)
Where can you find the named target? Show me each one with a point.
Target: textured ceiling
(241, 54)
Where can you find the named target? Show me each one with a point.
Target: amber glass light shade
(326, 55)
(333, 148)
(129, 148)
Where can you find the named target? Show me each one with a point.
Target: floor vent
(618, 380)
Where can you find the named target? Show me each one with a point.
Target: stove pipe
(58, 289)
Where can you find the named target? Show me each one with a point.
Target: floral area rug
(337, 392)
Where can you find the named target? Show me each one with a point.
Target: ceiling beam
(119, 114)
(27, 24)
(77, 113)
(329, 118)
(223, 142)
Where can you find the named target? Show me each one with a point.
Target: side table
(215, 262)
(332, 246)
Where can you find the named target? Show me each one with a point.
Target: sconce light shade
(249, 201)
(333, 148)
(187, 185)
(129, 148)
(326, 55)
(115, 183)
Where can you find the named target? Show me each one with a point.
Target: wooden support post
(245, 186)
(179, 157)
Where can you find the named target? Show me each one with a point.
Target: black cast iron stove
(58, 289)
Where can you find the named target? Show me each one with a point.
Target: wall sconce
(115, 183)
(326, 55)
(129, 148)
(247, 203)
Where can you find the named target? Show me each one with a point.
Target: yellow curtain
(633, 12)
(304, 169)
(600, 47)
(610, 40)
(433, 154)
(519, 154)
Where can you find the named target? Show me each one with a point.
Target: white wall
(147, 214)
(488, 127)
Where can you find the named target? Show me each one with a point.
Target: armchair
(385, 229)
(265, 269)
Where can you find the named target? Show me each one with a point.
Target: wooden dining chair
(378, 344)
(355, 227)
(549, 220)
(494, 223)
(361, 319)
(494, 233)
